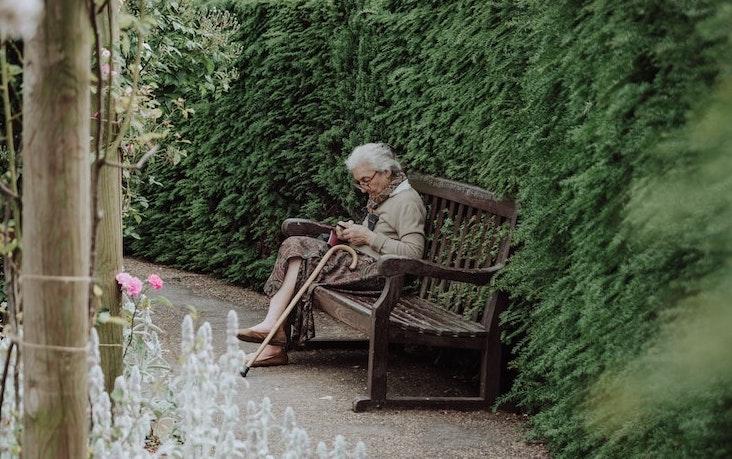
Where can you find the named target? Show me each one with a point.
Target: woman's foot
(262, 327)
(271, 356)
(257, 334)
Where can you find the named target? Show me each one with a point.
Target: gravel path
(320, 386)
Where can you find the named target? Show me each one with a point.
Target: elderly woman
(394, 225)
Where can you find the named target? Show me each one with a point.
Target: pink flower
(134, 287)
(123, 278)
(155, 281)
(131, 285)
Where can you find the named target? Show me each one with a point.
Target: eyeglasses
(360, 183)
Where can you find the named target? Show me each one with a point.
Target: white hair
(377, 155)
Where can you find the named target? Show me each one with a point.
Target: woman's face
(370, 181)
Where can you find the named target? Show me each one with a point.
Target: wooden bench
(468, 238)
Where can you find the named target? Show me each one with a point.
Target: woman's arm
(410, 245)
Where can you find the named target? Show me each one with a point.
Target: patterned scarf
(375, 201)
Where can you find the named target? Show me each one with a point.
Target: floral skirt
(335, 275)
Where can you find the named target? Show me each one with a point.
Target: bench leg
(490, 355)
(490, 372)
(378, 364)
(379, 346)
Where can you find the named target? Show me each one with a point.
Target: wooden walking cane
(294, 300)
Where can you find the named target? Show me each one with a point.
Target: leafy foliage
(680, 385)
(187, 51)
(569, 106)
(282, 109)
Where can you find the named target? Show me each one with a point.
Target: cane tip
(244, 372)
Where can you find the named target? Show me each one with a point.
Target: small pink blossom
(131, 285)
(123, 278)
(155, 281)
(134, 287)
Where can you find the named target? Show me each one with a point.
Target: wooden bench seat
(468, 234)
(411, 319)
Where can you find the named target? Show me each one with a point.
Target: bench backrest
(466, 227)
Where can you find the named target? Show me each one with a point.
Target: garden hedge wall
(574, 107)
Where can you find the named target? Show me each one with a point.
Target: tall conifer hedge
(570, 106)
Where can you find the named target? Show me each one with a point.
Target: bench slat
(436, 242)
(400, 315)
(422, 322)
(430, 229)
(445, 322)
(411, 314)
(452, 249)
(452, 320)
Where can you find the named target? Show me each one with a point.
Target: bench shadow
(413, 371)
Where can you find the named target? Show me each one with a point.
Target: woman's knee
(293, 242)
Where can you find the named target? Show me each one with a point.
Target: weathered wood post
(56, 224)
(109, 231)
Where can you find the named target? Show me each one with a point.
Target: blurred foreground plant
(682, 385)
(186, 410)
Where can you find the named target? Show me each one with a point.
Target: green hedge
(570, 106)
(269, 148)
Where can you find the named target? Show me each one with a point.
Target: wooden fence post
(109, 232)
(56, 224)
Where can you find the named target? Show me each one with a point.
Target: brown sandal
(252, 336)
(278, 359)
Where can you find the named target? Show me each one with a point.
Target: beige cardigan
(400, 229)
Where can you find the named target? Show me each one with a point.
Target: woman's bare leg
(277, 306)
(281, 299)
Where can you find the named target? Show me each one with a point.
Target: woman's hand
(341, 227)
(357, 234)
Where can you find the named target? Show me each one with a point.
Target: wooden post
(109, 231)
(56, 224)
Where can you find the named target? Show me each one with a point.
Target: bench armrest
(303, 227)
(396, 265)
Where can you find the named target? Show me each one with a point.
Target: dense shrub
(268, 148)
(571, 106)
